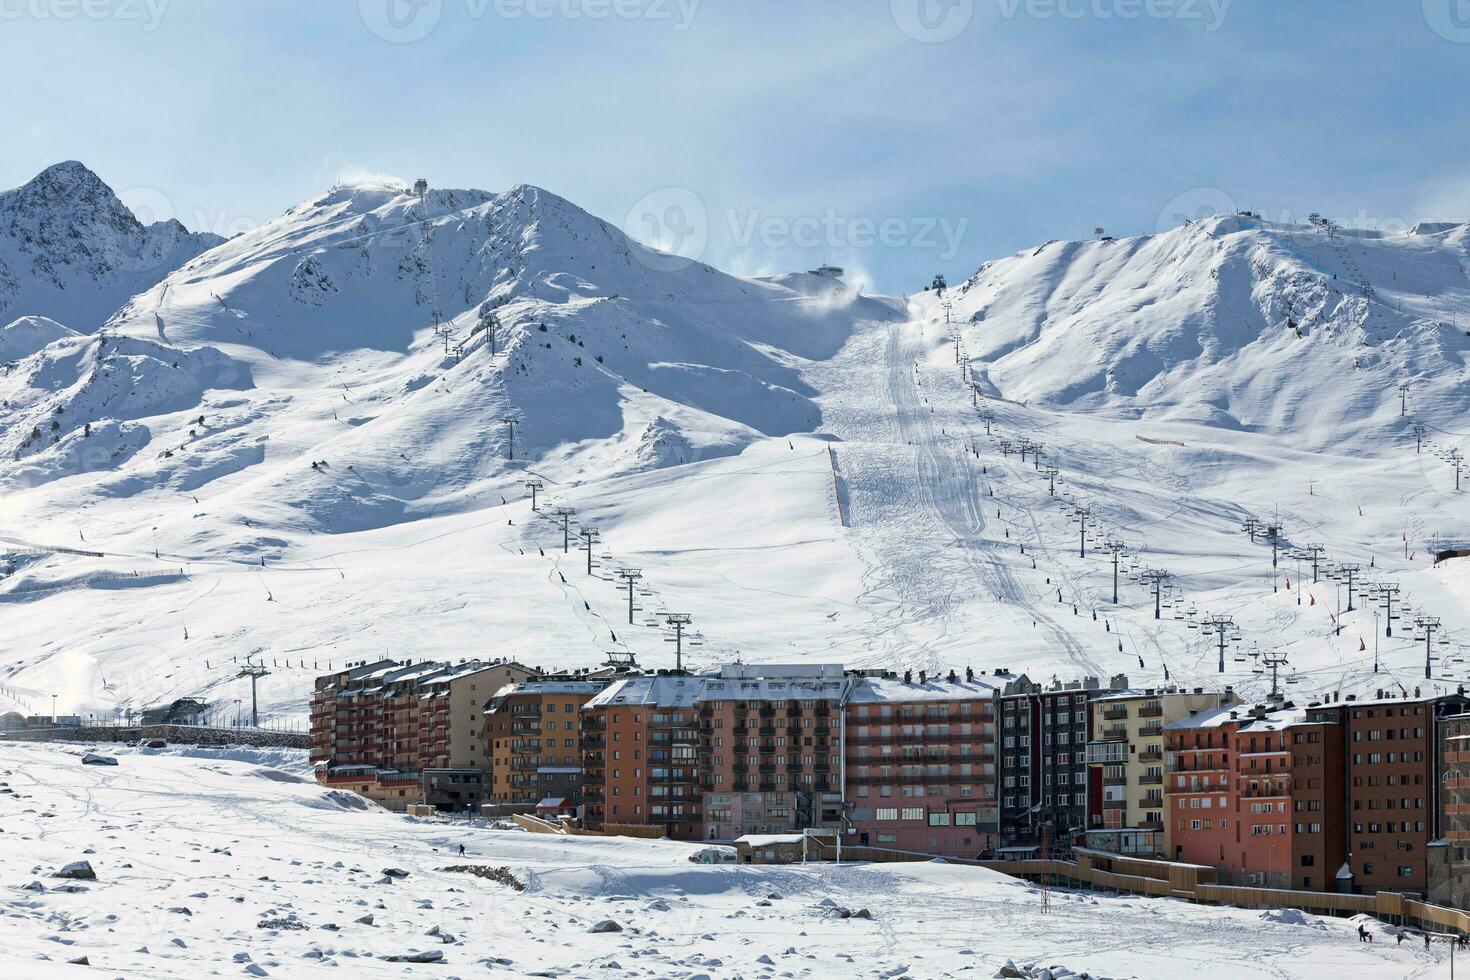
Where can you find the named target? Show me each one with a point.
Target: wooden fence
(1188, 882)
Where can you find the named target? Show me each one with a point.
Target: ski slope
(294, 448)
(236, 862)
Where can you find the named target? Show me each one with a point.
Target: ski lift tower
(255, 672)
(678, 621)
(1223, 627)
(420, 188)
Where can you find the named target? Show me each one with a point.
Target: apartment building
(1259, 794)
(640, 756)
(921, 763)
(1394, 794)
(405, 733)
(1126, 755)
(1449, 858)
(533, 734)
(1043, 734)
(770, 749)
(334, 720)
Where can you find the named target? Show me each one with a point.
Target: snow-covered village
(629, 488)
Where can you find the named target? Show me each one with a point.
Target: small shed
(555, 806)
(769, 848)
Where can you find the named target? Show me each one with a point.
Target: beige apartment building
(1125, 758)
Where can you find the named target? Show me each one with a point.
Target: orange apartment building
(748, 749)
(1394, 792)
(533, 732)
(640, 756)
(1259, 794)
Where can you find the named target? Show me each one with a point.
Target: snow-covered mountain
(70, 250)
(311, 443)
(1231, 321)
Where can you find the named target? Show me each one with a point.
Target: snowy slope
(272, 452)
(71, 251)
(235, 866)
(1231, 321)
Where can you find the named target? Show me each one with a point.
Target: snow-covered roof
(766, 840)
(684, 691)
(549, 687)
(886, 690)
(1274, 720)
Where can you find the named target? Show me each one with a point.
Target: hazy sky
(897, 137)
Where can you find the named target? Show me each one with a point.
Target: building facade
(1449, 861)
(1259, 794)
(921, 763)
(1394, 794)
(1043, 734)
(1126, 755)
(533, 734)
(770, 749)
(401, 734)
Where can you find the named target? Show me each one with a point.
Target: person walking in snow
(1362, 933)
(461, 850)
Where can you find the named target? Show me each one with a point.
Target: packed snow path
(918, 502)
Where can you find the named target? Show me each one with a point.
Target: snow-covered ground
(229, 865)
(274, 457)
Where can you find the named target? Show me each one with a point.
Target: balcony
(1151, 711)
(1151, 729)
(1116, 712)
(1151, 755)
(1149, 779)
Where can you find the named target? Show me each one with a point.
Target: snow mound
(1292, 917)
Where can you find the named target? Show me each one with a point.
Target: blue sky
(897, 137)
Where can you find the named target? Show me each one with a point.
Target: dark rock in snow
(81, 870)
(606, 925)
(426, 956)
